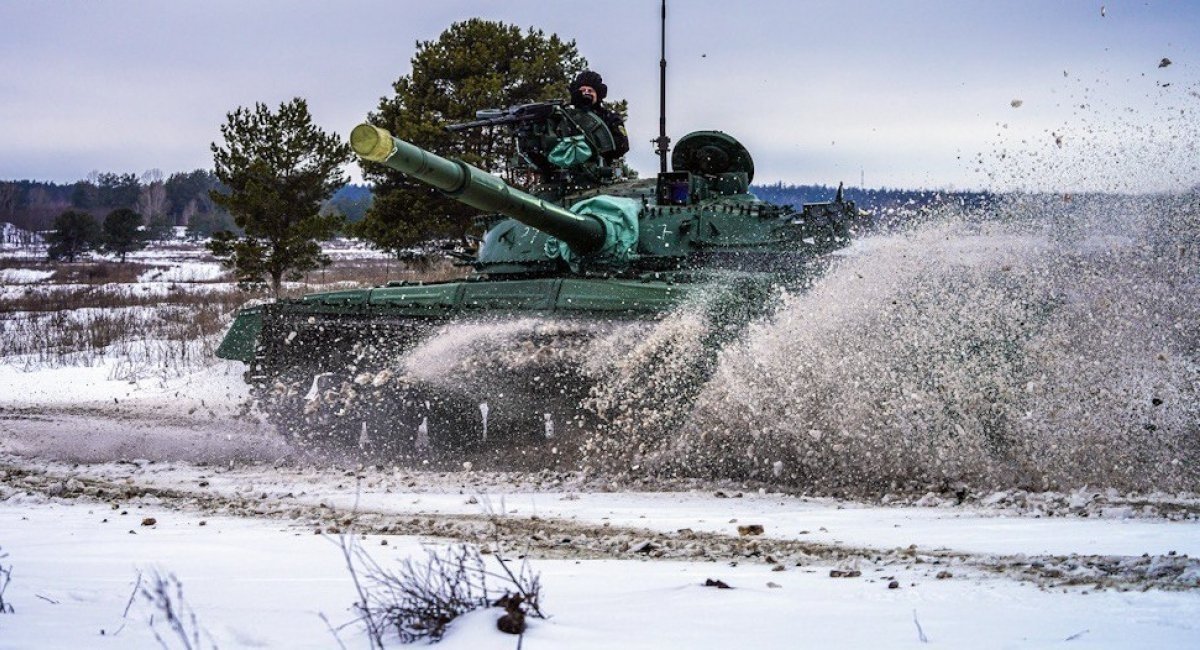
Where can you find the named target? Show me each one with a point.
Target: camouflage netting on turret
(620, 218)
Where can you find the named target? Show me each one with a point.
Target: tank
(581, 246)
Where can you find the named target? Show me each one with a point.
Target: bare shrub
(419, 600)
(33, 264)
(165, 595)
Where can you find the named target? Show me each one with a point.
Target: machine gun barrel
(491, 121)
(508, 116)
(477, 188)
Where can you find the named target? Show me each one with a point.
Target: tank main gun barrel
(477, 188)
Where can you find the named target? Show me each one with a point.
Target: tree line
(873, 198)
(119, 213)
(181, 199)
(882, 204)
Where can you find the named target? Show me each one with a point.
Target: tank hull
(501, 372)
(331, 370)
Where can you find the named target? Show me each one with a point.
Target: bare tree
(152, 201)
(189, 211)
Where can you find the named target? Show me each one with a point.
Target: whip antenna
(662, 143)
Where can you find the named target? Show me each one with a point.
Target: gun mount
(565, 147)
(513, 115)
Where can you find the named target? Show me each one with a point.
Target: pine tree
(279, 168)
(474, 64)
(123, 232)
(74, 233)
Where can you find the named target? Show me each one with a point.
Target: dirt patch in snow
(126, 485)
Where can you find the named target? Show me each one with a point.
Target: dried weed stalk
(5, 578)
(165, 596)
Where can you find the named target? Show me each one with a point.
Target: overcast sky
(910, 93)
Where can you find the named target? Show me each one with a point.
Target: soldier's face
(589, 92)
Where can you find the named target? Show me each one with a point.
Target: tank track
(336, 383)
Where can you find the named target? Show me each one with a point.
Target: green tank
(582, 246)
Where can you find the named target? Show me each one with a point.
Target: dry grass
(373, 272)
(176, 622)
(104, 297)
(100, 272)
(172, 341)
(94, 309)
(84, 272)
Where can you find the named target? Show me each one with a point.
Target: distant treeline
(881, 201)
(181, 199)
(352, 201)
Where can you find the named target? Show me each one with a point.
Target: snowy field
(265, 583)
(119, 466)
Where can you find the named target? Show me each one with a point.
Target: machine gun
(510, 116)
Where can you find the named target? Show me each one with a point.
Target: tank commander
(588, 91)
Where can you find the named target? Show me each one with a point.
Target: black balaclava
(588, 78)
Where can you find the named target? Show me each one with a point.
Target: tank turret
(698, 215)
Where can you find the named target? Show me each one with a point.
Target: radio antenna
(662, 143)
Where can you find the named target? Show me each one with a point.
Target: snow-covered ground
(187, 272)
(255, 583)
(236, 528)
(107, 475)
(23, 276)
